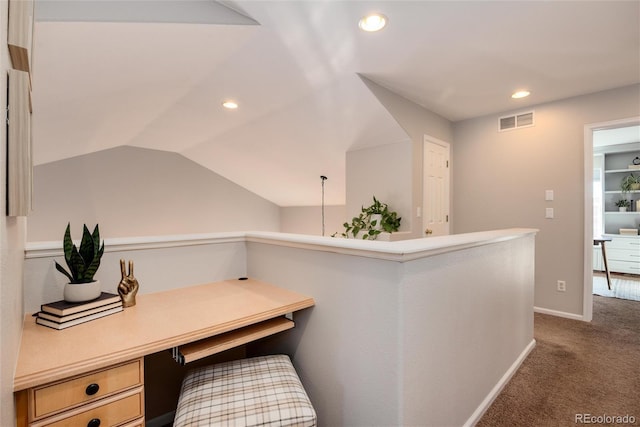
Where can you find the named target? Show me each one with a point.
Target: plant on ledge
(630, 183)
(372, 221)
(623, 203)
(83, 263)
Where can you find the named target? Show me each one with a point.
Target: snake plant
(82, 263)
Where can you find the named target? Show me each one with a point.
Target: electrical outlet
(562, 286)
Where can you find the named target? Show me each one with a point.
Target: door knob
(428, 231)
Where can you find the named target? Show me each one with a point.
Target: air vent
(516, 121)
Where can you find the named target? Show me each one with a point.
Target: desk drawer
(623, 255)
(630, 243)
(111, 411)
(63, 395)
(624, 267)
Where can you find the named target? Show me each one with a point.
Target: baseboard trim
(486, 403)
(162, 420)
(558, 313)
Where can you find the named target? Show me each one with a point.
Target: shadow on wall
(134, 191)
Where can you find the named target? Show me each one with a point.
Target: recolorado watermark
(604, 419)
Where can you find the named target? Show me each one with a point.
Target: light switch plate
(548, 213)
(548, 195)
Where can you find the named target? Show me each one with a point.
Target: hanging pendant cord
(323, 178)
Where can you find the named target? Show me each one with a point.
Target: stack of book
(63, 314)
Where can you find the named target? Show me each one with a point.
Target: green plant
(630, 182)
(389, 221)
(376, 208)
(82, 263)
(359, 223)
(623, 203)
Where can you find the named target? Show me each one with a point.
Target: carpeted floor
(576, 368)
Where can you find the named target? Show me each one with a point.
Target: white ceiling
(293, 66)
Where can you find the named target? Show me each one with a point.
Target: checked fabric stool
(259, 391)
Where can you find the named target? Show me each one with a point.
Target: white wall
(12, 240)
(339, 346)
(421, 342)
(308, 219)
(157, 268)
(476, 302)
(417, 121)
(133, 191)
(383, 172)
(500, 181)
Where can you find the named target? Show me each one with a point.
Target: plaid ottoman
(260, 391)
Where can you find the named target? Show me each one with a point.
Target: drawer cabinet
(623, 254)
(108, 397)
(113, 411)
(624, 267)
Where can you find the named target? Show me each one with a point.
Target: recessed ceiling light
(373, 22)
(231, 105)
(521, 94)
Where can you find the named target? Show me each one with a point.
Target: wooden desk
(157, 322)
(601, 241)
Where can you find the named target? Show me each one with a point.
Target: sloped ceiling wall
(100, 85)
(104, 76)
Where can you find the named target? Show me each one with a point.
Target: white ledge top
(402, 250)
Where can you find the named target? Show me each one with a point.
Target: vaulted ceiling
(153, 74)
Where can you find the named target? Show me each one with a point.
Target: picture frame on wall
(19, 144)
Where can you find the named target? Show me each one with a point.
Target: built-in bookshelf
(618, 165)
(623, 251)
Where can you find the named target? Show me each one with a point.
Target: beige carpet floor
(577, 368)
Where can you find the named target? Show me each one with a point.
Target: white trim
(587, 292)
(54, 248)
(557, 313)
(587, 297)
(495, 391)
(437, 141)
(401, 251)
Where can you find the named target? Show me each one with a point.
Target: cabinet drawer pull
(91, 390)
(94, 423)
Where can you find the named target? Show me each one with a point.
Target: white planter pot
(621, 209)
(384, 237)
(378, 219)
(81, 292)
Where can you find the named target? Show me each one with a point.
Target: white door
(435, 197)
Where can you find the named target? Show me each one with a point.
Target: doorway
(589, 217)
(435, 187)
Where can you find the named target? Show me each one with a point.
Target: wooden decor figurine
(128, 286)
